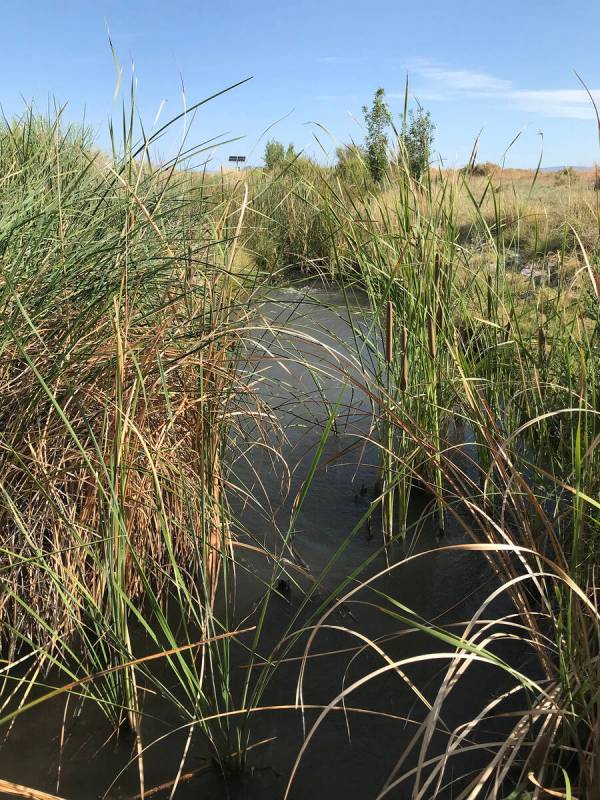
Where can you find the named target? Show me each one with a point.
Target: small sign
(237, 159)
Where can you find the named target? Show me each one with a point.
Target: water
(353, 753)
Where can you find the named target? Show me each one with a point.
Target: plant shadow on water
(331, 544)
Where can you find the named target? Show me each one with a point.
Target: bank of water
(305, 368)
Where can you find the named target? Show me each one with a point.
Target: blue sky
(499, 68)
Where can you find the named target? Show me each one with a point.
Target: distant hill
(564, 166)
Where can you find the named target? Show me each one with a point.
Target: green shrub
(484, 169)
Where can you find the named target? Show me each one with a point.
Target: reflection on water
(306, 368)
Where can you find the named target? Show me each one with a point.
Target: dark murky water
(352, 754)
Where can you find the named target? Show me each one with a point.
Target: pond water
(68, 748)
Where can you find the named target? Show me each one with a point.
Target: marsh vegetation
(299, 474)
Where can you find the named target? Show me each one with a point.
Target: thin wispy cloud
(574, 103)
(440, 82)
(464, 80)
(422, 94)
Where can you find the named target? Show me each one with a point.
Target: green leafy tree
(377, 120)
(417, 137)
(276, 153)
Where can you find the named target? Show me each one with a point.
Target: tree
(276, 153)
(377, 119)
(417, 140)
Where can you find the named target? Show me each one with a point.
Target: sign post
(237, 160)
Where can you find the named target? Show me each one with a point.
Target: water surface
(69, 749)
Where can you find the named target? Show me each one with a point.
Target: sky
(490, 70)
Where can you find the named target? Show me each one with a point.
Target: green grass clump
(122, 322)
(132, 361)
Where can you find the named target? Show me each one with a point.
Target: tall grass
(130, 296)
(123, 316)
(457, 356)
